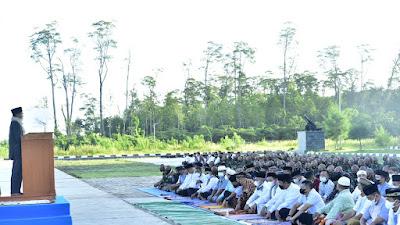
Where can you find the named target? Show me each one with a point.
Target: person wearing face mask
(381, 178)
(229, 187)
(273, 194)
(253, 204)
(207, 187)
(189, 185)
(298, 178)
(309, 202)
(392, 203)
(232, 193)
(287, 199)
(326, 186)
(343, 203)
(357, 191)
(361, 206)
(395, 181)
(377, 213)
(201, 180)
(221, 184)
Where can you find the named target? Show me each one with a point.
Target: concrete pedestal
(311, 141)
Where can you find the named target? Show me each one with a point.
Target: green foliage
(336, 123)
(232, 143)
(382, 137)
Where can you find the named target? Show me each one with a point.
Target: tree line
(228, 99)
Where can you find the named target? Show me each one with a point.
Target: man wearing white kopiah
(343, 203)
(309, 202)
(392, 203)
(221, 184)
(262, 189)
(357, 191)
(290, 195)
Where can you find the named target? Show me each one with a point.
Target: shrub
(382, 137)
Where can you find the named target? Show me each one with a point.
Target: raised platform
(38, 214)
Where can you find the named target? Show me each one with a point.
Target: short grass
(347, 146)
(106, 168)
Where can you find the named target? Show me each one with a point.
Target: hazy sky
(164, 33)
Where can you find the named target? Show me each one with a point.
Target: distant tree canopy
(228, 101)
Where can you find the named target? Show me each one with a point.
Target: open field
(348, 146)
(106, 168)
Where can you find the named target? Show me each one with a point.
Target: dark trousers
(187, 192)
(283, 213)
(206, 194)
(306, 219)
(16, 177)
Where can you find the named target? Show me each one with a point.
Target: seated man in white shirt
(357, 191)
(273, 194)
(210, 185)
(262, 189)
(309, 202)
(189, 185)
(289, 196)
(377, 213)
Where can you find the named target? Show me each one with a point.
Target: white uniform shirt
(356, 194)
(394, 217)
(257, 194)
(275, 198)
(313, 198)
(211, 184)
(287, 198)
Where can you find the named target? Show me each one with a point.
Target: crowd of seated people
(302, 189)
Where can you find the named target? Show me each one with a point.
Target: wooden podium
(37, 168)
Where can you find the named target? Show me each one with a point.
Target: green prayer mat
(185, 215)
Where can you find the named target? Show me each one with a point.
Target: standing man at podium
(16, 132)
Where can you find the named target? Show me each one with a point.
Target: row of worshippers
(280, 194)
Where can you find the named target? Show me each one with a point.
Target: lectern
(37, 168)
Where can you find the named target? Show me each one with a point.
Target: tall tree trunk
(101, 109)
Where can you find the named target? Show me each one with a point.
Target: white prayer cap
(361, 172)
(344, 181)
(221, 168)
(230, 171)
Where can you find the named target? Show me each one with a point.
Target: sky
(165, 33)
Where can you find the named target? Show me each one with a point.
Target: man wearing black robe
(16, 132)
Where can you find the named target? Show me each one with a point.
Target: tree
(102, 38)
(336, 123)
(360, 128)
(212, 53)
(365, 52)
(71, 81)
(329, 61)
(395, 71)
(43, 44)
(127, 90)
(382, 137)
(286, 40)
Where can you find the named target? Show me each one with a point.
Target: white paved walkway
(90, 205)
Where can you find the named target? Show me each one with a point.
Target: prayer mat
(213, 207)
(265, 221)
(245, 217)
(200, 203)
(157, 192)
(185, 215)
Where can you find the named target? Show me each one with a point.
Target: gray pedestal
(311, 141)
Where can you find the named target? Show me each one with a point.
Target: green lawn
(106, 168)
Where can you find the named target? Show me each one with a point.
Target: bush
(232, 143)
(382, 137)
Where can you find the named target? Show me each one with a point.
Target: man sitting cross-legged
(309, 202)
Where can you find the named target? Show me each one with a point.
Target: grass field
(106, 168)
(347, 146)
